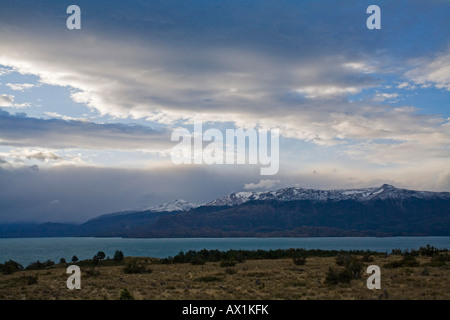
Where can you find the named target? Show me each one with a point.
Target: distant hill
(381, 211)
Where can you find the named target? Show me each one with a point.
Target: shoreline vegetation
(286, 274)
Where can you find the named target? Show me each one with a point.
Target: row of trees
(11, 266)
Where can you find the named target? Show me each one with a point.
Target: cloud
(434, 71)
(4, 71)
(43, 156)
(405, 85)
(3, 162)
(22, 131)
(326, 91)
(86, 192)
(56, 115)
(6, 100)
(380, 97)
(262, 184)
(20, 86)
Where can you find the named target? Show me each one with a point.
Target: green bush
(126, 295)
(334, 277)
(134, 266)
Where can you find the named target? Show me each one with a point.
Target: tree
(62, 260)
(74, 259)
(101, 255)
(118, 256)
(10, 267)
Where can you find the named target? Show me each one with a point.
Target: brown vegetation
(252, 279)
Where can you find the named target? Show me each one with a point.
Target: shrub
(134, 266)
(336, 276)
(93, 273)
(126, 295)
(230, 271)
(367, 257)
(428, 251)
(227, 263)
(9, 267)
(407, 261)
(342, 260)
(354, 268)
(197, 260)
(39, 265)
(30, 280)
(179, 258)
(410, 261)
(62, 261)
(439, 260)
(74, 259)
(299, 261)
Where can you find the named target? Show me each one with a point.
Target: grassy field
(252, 279)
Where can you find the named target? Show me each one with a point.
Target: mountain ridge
(295, 193)
(378, 211)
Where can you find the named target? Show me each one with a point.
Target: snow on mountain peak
(174, 205)
(386, 191)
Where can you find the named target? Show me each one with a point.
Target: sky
(87, 115)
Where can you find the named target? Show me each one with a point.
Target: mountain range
(377, 211)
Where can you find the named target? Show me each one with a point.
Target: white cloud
(20, 86)
(405, 85)
(380, 97)
(262, 184)
(56, 115)
(6, 100)
(4, 71)
(326, 91)
(432, 72)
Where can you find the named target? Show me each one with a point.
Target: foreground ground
(252, 279)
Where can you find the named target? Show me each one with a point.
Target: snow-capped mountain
(174, 205)
(291, 194)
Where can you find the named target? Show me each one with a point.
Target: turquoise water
(27, 250)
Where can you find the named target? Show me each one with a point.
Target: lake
(27, 250)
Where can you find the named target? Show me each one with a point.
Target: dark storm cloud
(77, 194)
(20, 130)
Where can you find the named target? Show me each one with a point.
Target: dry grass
(254, 279)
